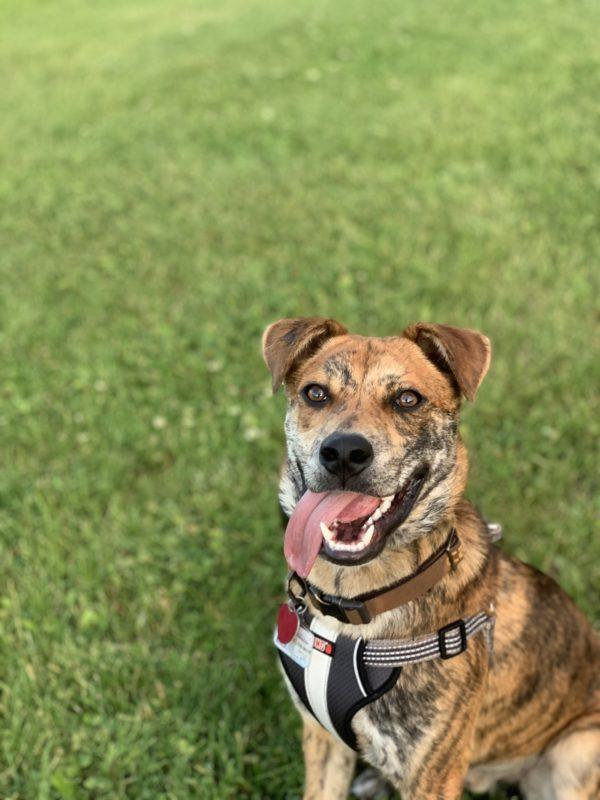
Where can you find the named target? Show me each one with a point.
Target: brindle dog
(529, 712)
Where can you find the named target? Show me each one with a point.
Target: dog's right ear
(289, 341)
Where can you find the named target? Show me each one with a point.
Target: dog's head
(374, 456)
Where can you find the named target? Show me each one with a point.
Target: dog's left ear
(460, 352)
(289, 341)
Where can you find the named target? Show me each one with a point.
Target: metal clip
(297, 600)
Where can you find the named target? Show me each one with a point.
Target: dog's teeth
(327, 534)
(341, 545)
(376, 515)
(385, 505)
(352, 547)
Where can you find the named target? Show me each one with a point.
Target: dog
(410, 639)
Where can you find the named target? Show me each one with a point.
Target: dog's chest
(391, 730)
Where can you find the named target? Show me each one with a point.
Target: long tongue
(303, 537)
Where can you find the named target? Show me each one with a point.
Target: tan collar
(363, 608)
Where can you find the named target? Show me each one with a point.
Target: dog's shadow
(370, 785)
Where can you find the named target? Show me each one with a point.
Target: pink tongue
(303, 537)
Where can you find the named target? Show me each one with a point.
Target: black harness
(333, 683)
(333, 676)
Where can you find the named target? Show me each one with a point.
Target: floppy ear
(289, 341)
(460, 352)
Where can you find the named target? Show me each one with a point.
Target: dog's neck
(451, 598)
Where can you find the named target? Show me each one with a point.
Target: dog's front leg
(329, 764)
(432, 785)
(439, 770)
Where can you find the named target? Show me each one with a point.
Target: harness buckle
(453, 627)
(361, 610)
(353, 611)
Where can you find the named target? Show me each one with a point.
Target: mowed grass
(175, 176)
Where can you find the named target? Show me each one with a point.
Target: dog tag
(287, 623)
(299, 645)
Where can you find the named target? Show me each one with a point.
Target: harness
(333, 675)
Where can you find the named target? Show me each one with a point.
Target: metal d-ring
(297, 600)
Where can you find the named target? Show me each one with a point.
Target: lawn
(173, 177)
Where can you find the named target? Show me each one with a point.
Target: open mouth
(346, 527)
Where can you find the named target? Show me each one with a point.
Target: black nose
(345, 454)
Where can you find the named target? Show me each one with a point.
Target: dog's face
(372, 430)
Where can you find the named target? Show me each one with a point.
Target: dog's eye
(407, 399)
(315, 393)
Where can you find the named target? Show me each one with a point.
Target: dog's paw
(371, 785)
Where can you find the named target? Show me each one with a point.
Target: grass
(176, 175)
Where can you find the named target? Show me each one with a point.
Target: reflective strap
(394, 653)
(359, 682)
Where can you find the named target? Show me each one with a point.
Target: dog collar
(361, 610)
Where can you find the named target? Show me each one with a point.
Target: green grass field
(173, 177)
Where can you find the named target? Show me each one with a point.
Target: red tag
(287, 623)
(323, 646)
